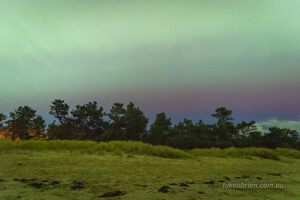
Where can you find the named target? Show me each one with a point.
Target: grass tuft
(292, 153)
(138, 148)
(115, 147)
(236, 153)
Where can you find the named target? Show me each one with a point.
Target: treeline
(90, 122)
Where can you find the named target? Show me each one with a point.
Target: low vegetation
(139, 148)
(236, 152)
(116, 147)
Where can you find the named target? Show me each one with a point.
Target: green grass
(237, 153)
(292, 153)
(116, 147)
(139, 148)
(139, 176)
(272, 154)
(37, 170)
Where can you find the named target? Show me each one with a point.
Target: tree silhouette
(135, 123)
(117, 125)
(2, 118)
(277, 137)
(159, 130)
(225, 129)
(117, 113)
(38, 125)
(127, 124)
(88, 121)
(244, 131)
(223, 115)
(60, 110)
(21, 121)
(65, 130)
(245, 128)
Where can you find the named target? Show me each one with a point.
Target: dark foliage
(2, 118)
(24, 120)
(90, 122)
(159, 130)
(126, 124)
(65, 129)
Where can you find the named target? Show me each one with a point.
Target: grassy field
(67, 170)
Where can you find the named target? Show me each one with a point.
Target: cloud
(265, 125)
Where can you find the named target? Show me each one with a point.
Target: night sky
(185, 58)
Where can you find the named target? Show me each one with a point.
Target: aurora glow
(182, 57)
